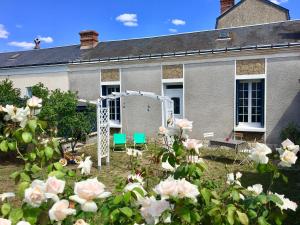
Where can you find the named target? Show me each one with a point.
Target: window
(29, 92)
(250, 103)
(176, 101)
(114, 105)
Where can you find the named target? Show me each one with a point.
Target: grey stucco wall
(251, 12)
(86, 83)
(283, 96)
(135, 116)
(209, 97)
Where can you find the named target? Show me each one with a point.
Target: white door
(175, 92)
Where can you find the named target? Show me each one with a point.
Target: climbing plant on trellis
(103, 128)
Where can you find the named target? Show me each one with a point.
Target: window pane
(114, 105)
(243, 101)
(176, 105)
(256, 102)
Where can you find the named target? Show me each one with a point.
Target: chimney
(226, 4)
(37, 43)
(88, 39)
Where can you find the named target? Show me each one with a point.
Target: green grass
(219, 163)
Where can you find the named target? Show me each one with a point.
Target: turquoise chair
(119, 140)
(139, 139)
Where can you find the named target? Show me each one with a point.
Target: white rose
(5, 222)
(80, 222)
(184, 124)
(23, 223)
(34, 196)
(7, 195)
(238, 175)
(167, 188)
(289, 145)
(88, 190)
(256, 188)
(16, 114)
(34, 102)
(288, 158)
(86, 166)
(187, 189)
(287, 204)
(54, 185)
(162, 130)
(230, 178)
(259, 153)
(60, 210)
(152, 209)
(132, 186)
(234, 179)
(192, 144)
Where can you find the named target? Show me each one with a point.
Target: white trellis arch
(103, 128)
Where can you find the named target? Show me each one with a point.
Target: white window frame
(164, 82)
(27, 91)
(250, 127)
(113, 123)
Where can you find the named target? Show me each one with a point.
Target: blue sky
(57, 22)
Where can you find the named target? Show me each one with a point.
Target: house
(242, 76)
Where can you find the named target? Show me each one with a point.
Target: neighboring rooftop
(281, 33)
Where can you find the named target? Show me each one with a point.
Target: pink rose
(5, 222)
(60, 210)
(86, 191)
(55, 186)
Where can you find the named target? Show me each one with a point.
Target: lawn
(219, 163)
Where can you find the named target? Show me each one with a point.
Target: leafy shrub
(292, 132)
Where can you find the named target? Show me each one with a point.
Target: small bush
(292, 132)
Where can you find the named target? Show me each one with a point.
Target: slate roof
(266, 34)
(287, 12)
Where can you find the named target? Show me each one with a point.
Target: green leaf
(16, 215)
(127, 197)
(252, 214)
(235, 195)
(25, 177)
(32, 124)
(58, 166)
(186, 215)
(27, 137)
(32, 156)
(5, 209)
(243, 218)
(126, 211)
(49, 152)
(262, 221)
(206, 195)
(117, 199)
(21, 188)
(57, 174)
(230, 215)
(262, 199)
(71, 173)
(4, 146)
(275, 199)
(35, 169)
(14, 175)
(12, 145)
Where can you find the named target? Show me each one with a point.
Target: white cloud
(128, 19)
(3, 32)
(172, 30)
(22, 44)
(46, 39)
(178, 22)
(279, 1)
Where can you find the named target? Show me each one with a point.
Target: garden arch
(103, 127)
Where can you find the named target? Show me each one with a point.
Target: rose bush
(73, 196)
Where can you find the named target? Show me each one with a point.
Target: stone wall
(110, 75)
(172, 71)
(252, 66)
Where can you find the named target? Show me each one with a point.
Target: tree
(8, 94)
(40, 91)
(60, 111)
